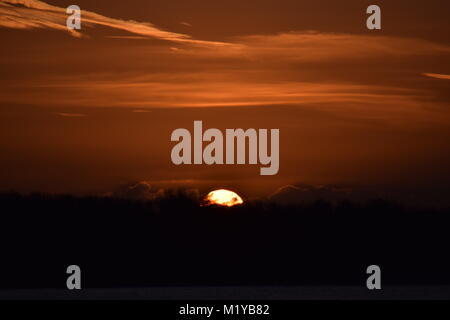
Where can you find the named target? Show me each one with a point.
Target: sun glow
(223, 197)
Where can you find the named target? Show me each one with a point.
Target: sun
(223, 197)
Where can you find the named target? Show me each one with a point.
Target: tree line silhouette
(173, 240)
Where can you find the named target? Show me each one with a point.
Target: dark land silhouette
(173, 241)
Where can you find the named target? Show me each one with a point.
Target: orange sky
(89, 111)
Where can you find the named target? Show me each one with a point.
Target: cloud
(141, 111)
(291, 194)
(31, 14)
(142, 190)
(128, 37)
(147, 190)
(71, 115)
(224, 90)
(437, 76)
(318, 46)
(368, 76)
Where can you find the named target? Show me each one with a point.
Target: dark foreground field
(173, 241)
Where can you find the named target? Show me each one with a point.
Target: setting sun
(223, 197)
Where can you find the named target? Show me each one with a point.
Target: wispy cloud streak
(437, 76)
(29, 14)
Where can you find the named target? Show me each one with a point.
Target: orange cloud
(71, 115)
(313, 45)
(437, 76)
(207, 89)
(37, 14)
(375, 76)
